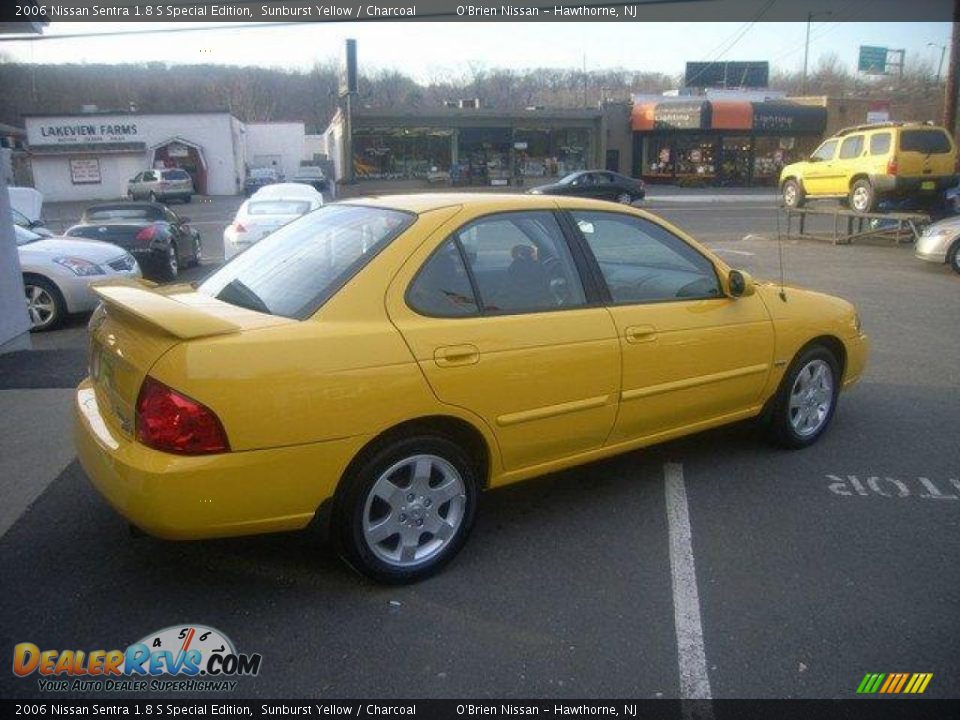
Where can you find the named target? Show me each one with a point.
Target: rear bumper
(899, 185)
(183, 498)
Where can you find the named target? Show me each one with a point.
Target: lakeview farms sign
(88, 132)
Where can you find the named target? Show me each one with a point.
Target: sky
(429, 50)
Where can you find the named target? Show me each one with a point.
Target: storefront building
(721, 142)
(467, 146)
(91, 156)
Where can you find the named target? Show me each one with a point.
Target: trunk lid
(123, 235)
(136, 325)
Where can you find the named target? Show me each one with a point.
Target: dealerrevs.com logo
(180, 658)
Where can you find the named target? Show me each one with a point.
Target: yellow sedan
(387, 359)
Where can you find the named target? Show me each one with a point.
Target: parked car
(864, 164)
(161, 241)
(26, 205)
(383, 360)
(597, 184)
(161, 186)
(58, 272)
(940, 243)
(258, 178)
(269, 208)
(311, 175)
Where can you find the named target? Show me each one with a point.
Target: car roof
(493, 202)
(286, 191)
(887, 126)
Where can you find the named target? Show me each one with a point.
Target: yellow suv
(866, 163)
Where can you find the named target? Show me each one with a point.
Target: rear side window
(880, 143)
(928, 142)
(442, 287)
(851, 147)
(293, 271)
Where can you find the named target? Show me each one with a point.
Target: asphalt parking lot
(715, 566)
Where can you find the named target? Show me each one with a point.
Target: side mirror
(740, 284)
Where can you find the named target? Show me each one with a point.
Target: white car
(267, 209)
(58, 272)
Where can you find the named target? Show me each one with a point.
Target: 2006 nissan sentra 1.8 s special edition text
(386, 359)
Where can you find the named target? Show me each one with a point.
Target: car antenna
(776, 210)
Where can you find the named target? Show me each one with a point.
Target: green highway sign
(873, 60)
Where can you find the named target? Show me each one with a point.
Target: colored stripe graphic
(894, 683)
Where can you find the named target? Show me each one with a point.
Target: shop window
(442, 287)
(851, 147)
(658, 157)
(880, 144)
(520, 263)
(696, 156)
(770, 154)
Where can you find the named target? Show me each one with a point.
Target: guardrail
(848, 226)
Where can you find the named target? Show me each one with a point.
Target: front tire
(863, 198)
(793, 195)
(45, 304)
(807, 398)
(408, 509)
(625, 199)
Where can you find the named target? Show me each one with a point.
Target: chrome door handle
(456, 355)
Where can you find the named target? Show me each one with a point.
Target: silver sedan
(940, 243)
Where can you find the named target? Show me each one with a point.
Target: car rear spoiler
(178, 319)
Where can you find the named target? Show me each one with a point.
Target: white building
(91, 156)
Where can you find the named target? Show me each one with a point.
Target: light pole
(806, 47)
(943, 53)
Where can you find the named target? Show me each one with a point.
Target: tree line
(256, 94)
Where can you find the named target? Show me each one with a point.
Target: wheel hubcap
(811, 398)
(172, 259)
(413, 510)
(789, 194)
(860, 198)
(625, 199)
(40, 306)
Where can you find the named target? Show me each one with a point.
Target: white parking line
(694, 681)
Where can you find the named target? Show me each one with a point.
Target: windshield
(293, 271)
(278, 207)
(120, 213)
(25, 236)
(568, 179)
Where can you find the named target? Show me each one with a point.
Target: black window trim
(598, 272)
(592, 293)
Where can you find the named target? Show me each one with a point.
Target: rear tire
(807, 399)
(152, 197)
(863, 198)
(170, 264)
(625, 199)
(188, 199)
(953, 257)
(793, 194)
(45, 304)
(407, 510)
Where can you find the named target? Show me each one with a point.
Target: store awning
(775, 118)
(115, 148)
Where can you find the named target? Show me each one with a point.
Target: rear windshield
(309, 172)
(278, 207)
(120, 213)
(928, 142)
(293, 271)
(175, 175)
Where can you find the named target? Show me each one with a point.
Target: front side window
(442, 287)
(520, 263)
(642, 262)
(825, 151)
(851, 147)
(294, 270)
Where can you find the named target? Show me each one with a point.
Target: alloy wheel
(624, 198)
(861, 199)
(413, 510)
(41, 307)
(172, 263)
(811, 398)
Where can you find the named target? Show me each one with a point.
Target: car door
(820, 174)
(849, 161)
(133, 187)
(606, 186)
(690, 354)
(501, 323)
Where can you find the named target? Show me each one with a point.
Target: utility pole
(806, 47)
(953, 81)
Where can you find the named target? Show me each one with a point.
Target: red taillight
(239, 228)
(171, 422)
(147, 234)
(892, 166)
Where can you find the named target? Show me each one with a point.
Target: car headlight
(79, 266)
